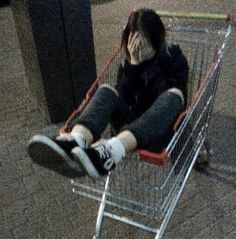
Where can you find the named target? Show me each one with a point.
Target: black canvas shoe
(95, 162)
(54, 154)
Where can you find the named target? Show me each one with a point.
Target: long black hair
(147, 22)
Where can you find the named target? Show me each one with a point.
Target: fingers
(133, 41)
(131, 38)
(140, 48)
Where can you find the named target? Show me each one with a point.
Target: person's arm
(128, 78)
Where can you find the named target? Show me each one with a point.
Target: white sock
(118, 150)
(79, 138)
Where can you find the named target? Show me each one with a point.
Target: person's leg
(88, 126)
(101, 158)
(128, 141)
(54, 152)
(143, 132)
(106, 107)
(97, 114)
(149, 128)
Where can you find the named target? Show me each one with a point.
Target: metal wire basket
(140, 192)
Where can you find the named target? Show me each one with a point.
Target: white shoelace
(103, 152)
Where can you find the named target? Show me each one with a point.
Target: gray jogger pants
(152, 130)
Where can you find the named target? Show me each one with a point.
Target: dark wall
(57, 44)
(4, 3)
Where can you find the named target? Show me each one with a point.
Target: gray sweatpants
(152, 130)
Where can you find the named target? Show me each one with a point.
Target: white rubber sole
(47, 153)
(42, 142)
(85, 163)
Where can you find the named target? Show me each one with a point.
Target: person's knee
(179, 93)
(109, 87)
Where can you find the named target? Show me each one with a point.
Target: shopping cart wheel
(203, 159)
(101, 237)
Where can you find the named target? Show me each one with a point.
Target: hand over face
(133, 47)
(139, 48)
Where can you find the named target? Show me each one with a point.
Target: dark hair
(147, 22)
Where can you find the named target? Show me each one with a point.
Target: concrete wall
(58, 51)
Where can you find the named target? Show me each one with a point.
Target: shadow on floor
(222, 136)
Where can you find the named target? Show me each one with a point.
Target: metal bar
(194, 42)
(208, 75)
(166, 220)
(183, 148)
(101, 211)
(218, 69)
(192, 107)
(108, 194)
(84, 186)
(139, 182)
(130, 222)
(88, 195)
(193, 148)
(196, 30)
(178, 133)
(194, 15)
(108, 202)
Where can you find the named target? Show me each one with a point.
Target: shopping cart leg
(101, 211)
(204, 156)
(209, 149)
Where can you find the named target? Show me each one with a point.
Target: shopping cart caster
(100, 237)
(203, 159)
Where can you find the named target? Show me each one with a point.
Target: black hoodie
(140, 85)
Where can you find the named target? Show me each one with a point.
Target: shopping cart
(144, 189)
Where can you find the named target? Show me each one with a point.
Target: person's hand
(146, 51)
(133, 47)
(139, 48)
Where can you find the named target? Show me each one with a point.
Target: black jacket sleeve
(128, 81)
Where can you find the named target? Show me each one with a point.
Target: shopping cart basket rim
(145, 155)
(196, 15)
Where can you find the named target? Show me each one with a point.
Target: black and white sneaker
(54, 154)
(95, 162)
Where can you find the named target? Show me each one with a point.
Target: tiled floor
(35, 203)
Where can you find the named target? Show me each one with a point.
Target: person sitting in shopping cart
(150, 93)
